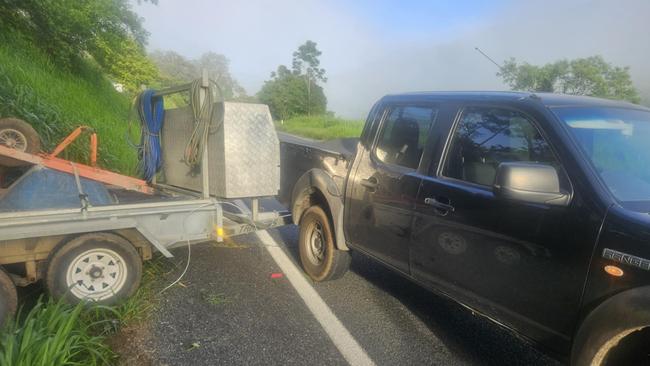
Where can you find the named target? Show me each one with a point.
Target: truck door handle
(439, 205)
(370, 183)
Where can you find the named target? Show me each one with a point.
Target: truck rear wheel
(319, 256)
(8, 297)
(100, 267)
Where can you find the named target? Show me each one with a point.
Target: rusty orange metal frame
(51, 161)
(73, 136)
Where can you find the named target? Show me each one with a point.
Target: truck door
(384, 182)
(524, 264)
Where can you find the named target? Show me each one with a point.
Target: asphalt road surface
(239, 305)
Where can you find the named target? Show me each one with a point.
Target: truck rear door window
(404, 134)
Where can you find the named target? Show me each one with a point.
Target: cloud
(371, 53)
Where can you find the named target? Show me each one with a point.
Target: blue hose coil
(152, 112)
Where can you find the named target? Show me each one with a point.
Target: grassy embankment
(321, 127)
(55, 101)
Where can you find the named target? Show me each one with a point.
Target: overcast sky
(372, 48)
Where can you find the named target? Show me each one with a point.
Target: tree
(175, 69)
(591, 76)
(71, 30)
(306, 63)
(126, 64)
(294, 92)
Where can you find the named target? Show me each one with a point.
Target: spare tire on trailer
(100, 267)
(8, 297)
(18, 134)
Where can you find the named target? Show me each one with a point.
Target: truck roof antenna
(489, 58)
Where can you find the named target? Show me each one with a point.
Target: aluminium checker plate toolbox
(244, 153)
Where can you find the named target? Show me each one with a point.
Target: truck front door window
(404, 135)
(486, 137)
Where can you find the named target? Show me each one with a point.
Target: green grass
(214, 299)
(55, 101)
(56, 333)
(321, 127)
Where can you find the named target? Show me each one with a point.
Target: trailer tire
(8, 297)
(18, 134)
(320, 258)
(100, 267)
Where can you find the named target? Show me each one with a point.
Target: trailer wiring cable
(189, 245)
(189, 249)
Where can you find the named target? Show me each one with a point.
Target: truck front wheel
(320, 258)
(616, 333)
(8, 297)
(100, 267)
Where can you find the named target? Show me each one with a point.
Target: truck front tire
(616, 332)
(320, 258)
(8, 297)
(100, 267)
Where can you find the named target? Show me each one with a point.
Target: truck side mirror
(530, 182)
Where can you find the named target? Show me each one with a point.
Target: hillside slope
(55, 101)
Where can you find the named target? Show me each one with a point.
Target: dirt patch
(130, 343)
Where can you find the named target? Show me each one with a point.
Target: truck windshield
(617, 141)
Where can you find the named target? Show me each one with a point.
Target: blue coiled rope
(151, 112)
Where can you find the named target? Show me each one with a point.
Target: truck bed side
(299, 155)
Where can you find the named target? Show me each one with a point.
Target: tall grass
(55, 101)
(322, 127)
(54, 333)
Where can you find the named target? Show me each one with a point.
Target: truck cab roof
(549, 100)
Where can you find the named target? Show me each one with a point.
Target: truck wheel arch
(317, 187)
(610, 323)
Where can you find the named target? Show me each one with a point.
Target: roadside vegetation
(57, 333)
(54, 101)
(321, 127)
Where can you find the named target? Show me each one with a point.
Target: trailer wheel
(8, 297)
(319, 256)
(18, 134)
(99, 267)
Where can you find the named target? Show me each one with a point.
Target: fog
(416, 47)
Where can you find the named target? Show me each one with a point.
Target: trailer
(85, 231)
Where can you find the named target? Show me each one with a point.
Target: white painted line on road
(343, 340)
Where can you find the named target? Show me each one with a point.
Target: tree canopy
(175, 69)
(296, 91)
(71, 30)
(591, 76)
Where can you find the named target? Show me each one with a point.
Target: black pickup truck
(530, 209)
